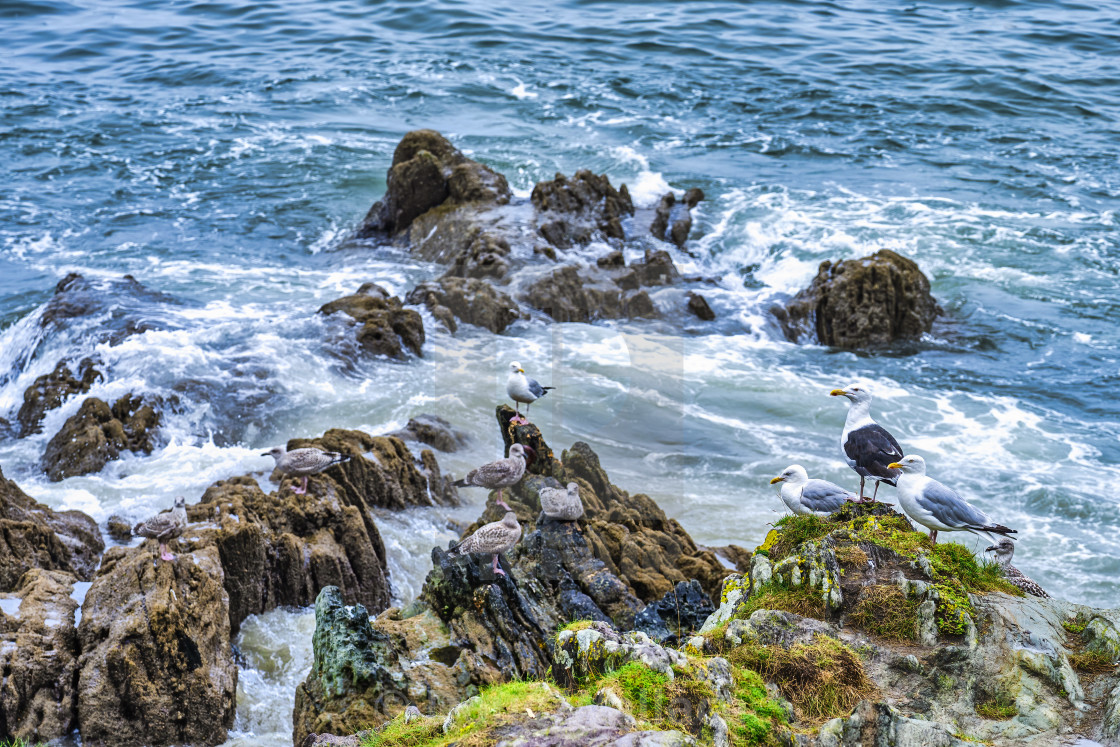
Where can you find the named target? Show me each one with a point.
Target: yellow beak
(894, 465)
(521, 370)
(837, 393)
(776, 479)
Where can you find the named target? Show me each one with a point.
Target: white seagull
(523, 390)
(868, 447)
(938, 507)
(804, 496)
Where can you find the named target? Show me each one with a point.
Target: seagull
(868, 447)
(165, 527)
(494, 538)
(522, 389)
(501, 474)
(562, 504)
(804, 496)
(940, 508)
(1005, 551)
(304, 462)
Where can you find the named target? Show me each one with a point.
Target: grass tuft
(1093, 662)
(796, 529)
(800, 600)
(998, 708)
(883, 610)
(755, 717)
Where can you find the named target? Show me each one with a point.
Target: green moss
(998, 708)
(645, 691)
(823, 679)
(884, 610)
(795, 530)
(754, 718)
(1077, 624)
(420, 733)
(576, 626)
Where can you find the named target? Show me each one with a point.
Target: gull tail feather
(991, 532)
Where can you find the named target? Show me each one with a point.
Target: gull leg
(502, 503)
(164, 553)
(302, 486)
(862, 480)
(933, 536)
(497, 571)
(875, 495)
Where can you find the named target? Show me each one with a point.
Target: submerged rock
(384, 325)
(469, 300)
(39, 659)
(98, 433)
(157, 667)
(573, 211)
(122, 306)
(34, 536)
(51, 390)
(434, 431)
(673, 220)
(857, 303)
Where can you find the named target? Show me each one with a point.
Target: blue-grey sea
(220, 152)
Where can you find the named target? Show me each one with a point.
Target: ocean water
(219, 152)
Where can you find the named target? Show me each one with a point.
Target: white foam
(521, 92)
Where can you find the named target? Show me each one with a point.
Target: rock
(878, 723)
(873, 301)
(588, 726)
(657, 269)
(428, 171)
(119, 528)
(434, 431)
(331, 740)
(39, 658)
(682, 610)
(385, 327)
(122, 307)
(698, 307)
(51, 390)
(573, 211)
(470, 300)
(98, 433)
(34, 536)
(567, 295)
(672, 220)
(156, 667)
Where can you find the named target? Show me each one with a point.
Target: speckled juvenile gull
(562, 504)
(304, 462)
(938, 507)
(523, 390)
(501, 474)
(868, 447)
(804, 496)
(1004, 551)
(494, 538)
(165, 527)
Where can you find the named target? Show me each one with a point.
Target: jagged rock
(434, 431)
(673, 220)
(51, 390)
(682, 610)
(156, 667)
(587, 726)
(470, 300)
(873, 301)
(98, 433)
(657, 268)
(34, 536)
(879, 724)
(385, 326)
(39, 659)
(567, 295)
(123, 307)
(426, 172)
(119, 528)
(572, 211)
(698, 307)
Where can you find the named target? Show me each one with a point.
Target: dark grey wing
(872, 448)
(536, 388)
(822, 495)
(950, 509)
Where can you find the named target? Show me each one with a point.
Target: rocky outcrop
(123, 307)
(98, 433)
(858, 303)
(433, 431)
(673, 220)
(698, 307)
(676, 615)
(39, 659)
(384, 325)
(34, 536)
(51, 390)
(568, 294)
(156, 667)
(469, 300)
(576, 210)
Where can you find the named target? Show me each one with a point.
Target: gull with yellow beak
(804, 496)
(523, 390)
(940, 508)
(868, 447)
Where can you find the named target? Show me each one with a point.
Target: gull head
(855, 393)
(573, 489)
(1004, 550)
(276, 452)
(794, 474)
(526, 452)
(180, 502)
(910, 465)
(515, 368)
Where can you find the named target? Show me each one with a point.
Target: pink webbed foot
(166, 556)
(302, 489)
(497, 570)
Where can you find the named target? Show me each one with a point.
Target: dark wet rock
(469, 300)
(39, 659)
(51, 390)
(119, 528)
(384, 325)
(611, 260)
(656, 269)
(434, 431)
(123, 306)
(568, 294)
(698, 306)
(574, 211)
(98, 434)
(873, 301)
(734, 556)
(672, 219)
(428, 171)
(680, 612)
(34, 536)
(157, 667)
